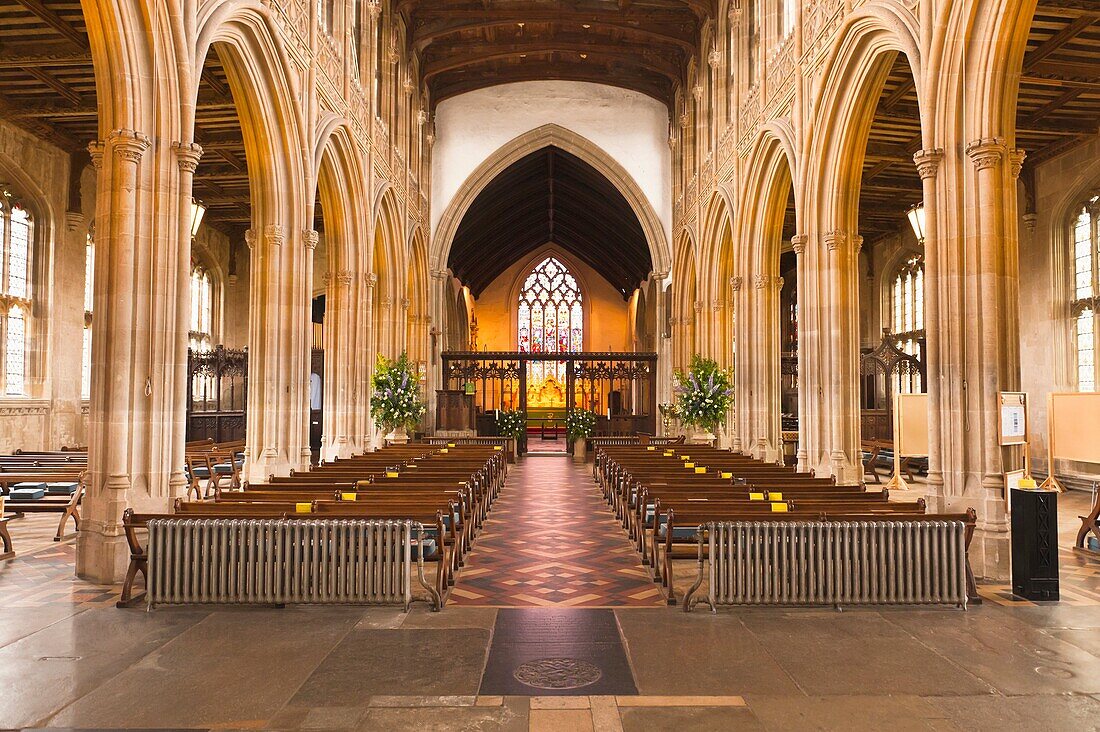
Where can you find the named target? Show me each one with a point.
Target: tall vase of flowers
(513, 424)
(580, 424)
(703, 396)
(395, 401)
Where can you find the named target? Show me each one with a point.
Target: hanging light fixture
(197, 211)
(916, 220)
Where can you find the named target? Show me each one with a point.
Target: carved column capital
(344, 277)
(95, 149)
(798, 243)
(250, 238)
(188, 155)
(697, 92)
(928, 162)
(374, 9)
(1016, 158)
(760, 281)
(835, 239)
(697, 306)
(716, 305)
(438, 275)
(406, 303)
(714, 58)
(1030, 220)
(986, 152)
(371, 279)
(673, 321)
(73, 220)
(857, 244)
(274, 235)
(129, 145)
(386, 303)
(735, 283)
(310, 238)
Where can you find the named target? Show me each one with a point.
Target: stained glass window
(908, 318)
(1085, 305)
(551, 316)
(16, 229)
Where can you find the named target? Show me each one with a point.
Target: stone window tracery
(907, 322)
(16, 237)
(1085, 304)
(202, 307)
(550, 316)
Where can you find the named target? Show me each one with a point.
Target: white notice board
(1014, 425)
(911, 424)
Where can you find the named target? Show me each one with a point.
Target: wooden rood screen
(621, 388)
(217, 387)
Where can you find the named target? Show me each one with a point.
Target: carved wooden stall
(217, 394)
(217, 391)
(885, 370)
(620, 387)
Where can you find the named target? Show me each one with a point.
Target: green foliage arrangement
(580, 423)
(704, 393)
(395, 401)
(512, 424)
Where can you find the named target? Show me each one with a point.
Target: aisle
(551, 541)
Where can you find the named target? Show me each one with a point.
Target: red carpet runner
(551, 541)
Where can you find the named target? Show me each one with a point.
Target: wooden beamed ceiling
(550, 197)
(644, 45)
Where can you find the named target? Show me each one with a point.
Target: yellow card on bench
(700, 471)
(650, 448)
(772, 495)
(497, 447)
(779, 508)
(685, 457)
(412, 465)
(391, 474)
(727, 476)
(303, 507)
(756, 496)
(451, 444)
(347, 496)
(443, 451)
(689, 466)
(669, 453)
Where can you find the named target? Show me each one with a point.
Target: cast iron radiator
(278, 561)
(832, 563)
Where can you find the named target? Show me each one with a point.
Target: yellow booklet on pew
(779, 508)
(347, 496)
(727, 476)
(756, 496)
(391, 474)
(700, 471)
(303, 507)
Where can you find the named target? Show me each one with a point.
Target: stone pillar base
(990, 555)
(100, 557)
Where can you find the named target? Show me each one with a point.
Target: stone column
(132, 411)
(279, 335)
(741, 398)
(338, 439)
(928, 165)
(369, 328)
(764, 362)
(798, 243)
(437, 296)
(829, 357)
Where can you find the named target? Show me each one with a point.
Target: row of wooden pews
(448, 489)
(664, 494)
(41, 482)
(207, 464)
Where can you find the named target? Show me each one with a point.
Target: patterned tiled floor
(551, 540)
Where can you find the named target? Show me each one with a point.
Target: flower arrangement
(512, 424)
(580, 424)
(395, 401)
(704, 393)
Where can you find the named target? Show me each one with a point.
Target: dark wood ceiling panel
(644, 45)
(550, 196)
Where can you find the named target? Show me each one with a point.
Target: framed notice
(1014, 424)
(1012, 480)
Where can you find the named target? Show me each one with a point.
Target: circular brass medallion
(558, 673)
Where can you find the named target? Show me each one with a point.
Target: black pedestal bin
(1035, 544)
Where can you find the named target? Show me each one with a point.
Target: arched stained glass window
(16, 229)
(908, 318)
(550, 316)
(202, 303)
(1085, 300)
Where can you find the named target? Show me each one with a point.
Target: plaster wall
(629, 126)
(607, 315)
